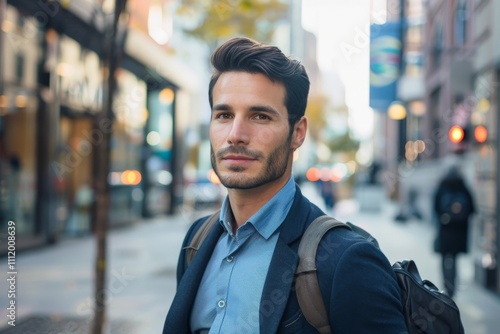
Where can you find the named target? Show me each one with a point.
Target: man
(241, 278)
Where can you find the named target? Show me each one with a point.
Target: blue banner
(385, 54)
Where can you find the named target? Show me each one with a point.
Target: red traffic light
(480, 133)
(456, 134)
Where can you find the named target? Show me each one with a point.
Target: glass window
(460, 31)
(130, 110)
(126, 175)
(437, 51)
(79, 74)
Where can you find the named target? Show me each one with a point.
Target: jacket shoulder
(357, 282)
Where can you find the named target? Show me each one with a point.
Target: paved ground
(54, 286)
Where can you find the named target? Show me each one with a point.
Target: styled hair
(246, 55)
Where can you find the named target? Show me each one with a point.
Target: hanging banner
(385, 54)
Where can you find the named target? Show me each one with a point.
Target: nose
(239, 132)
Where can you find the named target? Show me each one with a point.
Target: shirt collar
(269, 217)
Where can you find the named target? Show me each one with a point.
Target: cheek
(216, 134)
(271, 137)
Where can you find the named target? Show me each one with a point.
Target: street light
(396, 111)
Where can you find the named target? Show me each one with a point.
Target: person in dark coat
(453, 206)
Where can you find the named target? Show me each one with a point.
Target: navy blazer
(357, 283)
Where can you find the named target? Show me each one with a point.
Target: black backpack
(454, 205)
(427, 310)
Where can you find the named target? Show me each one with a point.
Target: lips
(237, 161)
(237, 157)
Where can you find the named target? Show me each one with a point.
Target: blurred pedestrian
(79, 222)
(409, 208)
(453, 206)
(327, 191)
(241, 278)
(373, 173)
(14, 190)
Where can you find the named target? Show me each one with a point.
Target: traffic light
(480, 134)
(463, 137)
(456, 134)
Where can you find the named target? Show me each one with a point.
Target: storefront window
(79, 91)
(126, 147)
(80, 82)
(130, 110)
(18, 105)
(158, 165)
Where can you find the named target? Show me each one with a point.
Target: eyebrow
(221, 107)
(265, 109)
(257, 108)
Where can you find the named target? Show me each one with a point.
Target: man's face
(249, 131)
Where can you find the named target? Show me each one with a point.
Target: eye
(262, 117)
(222, 115)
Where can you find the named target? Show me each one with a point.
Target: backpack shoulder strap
(200, 235)
(306, 284)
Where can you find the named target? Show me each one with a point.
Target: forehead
(241, 85)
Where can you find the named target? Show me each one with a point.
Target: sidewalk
(55, 283)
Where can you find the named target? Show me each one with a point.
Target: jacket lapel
(178, 317)
(280, 276)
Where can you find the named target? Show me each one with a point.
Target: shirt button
(221, 303)
(230, 258)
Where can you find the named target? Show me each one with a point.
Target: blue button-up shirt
(229, 295)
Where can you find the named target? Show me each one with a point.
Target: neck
(246, 202)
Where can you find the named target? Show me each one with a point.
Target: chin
(235, 182)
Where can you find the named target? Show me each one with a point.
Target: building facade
(460, 76)
(478, 21)
(53, 79)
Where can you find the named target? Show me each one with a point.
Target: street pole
(102, 160)
(3, 8)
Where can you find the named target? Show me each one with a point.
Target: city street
(54, 286)
(105, 116)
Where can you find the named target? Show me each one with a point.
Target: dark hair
(246, 55)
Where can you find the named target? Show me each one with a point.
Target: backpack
(454, 206)
(427, 310)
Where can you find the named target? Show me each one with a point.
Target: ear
(299, 133)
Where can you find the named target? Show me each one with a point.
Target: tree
(112, 46)
(221, 19)
(316, 115)
(343, 143)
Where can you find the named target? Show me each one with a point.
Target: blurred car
(204, 193)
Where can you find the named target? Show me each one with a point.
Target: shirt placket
(224, 281)
(225, 278)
